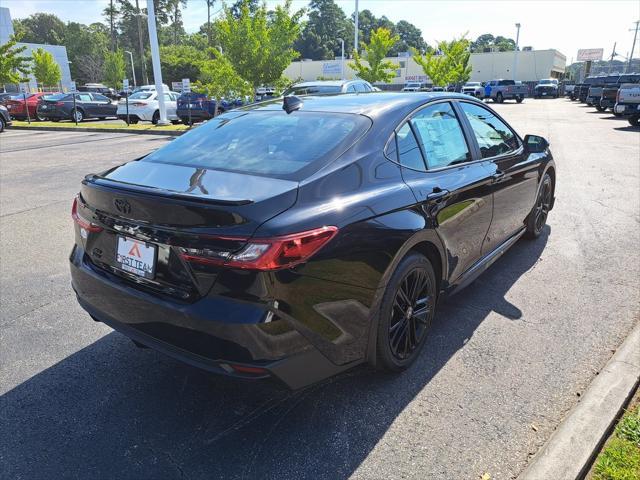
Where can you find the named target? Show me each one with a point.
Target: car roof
(329, 83)
(369, 104)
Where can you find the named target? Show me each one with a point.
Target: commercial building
(532, 65)
(59, 53)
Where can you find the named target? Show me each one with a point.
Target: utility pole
(515, 53)
(141, 45)
(155, 60)
(633, 46)
(613, 55)
(209, 5)
(357, 19)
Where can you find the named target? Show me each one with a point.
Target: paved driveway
(505, 361)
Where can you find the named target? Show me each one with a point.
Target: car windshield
(140, 96)
(310, 89)
(473, 84)
(265, 143)
(547, 82)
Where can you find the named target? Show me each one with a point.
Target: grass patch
(620, 457)
(119, 126)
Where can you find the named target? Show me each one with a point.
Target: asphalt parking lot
(505, 361)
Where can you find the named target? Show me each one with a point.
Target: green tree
(487, 42)
(457, 55)
(181, 61)
(218, 79)
(14, 67)
(40, 28)
(114, 68)
(410, 37)
(319, 38)
(111, 13)
(378, 69)
(175, 18)
(85, 45)
(260, 45)
(45, 68)
(434, 65)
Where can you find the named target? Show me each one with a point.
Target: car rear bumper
(198, 334)
(195, 114)
(627, 108)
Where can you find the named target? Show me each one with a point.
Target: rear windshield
(141, 95)
(311, 89)
(269, 143)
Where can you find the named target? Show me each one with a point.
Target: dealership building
(532, 65)
(59, 53)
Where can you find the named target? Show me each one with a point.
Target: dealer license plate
(137, 257)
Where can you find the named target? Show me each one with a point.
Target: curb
(569, 452)
(173, 133)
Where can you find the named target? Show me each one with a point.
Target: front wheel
(1, 124)
(600, 108)
(499, 97)
(77, 115)
(40, 117)
(537, 219)
(406, 313)
(634, 120)
(156, 117)
(519, 99)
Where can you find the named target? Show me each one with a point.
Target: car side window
(494, 136)
(440, 136)
(409, 154)
(84, 97)
(360, 87)
(351, 89)
(100, 98)
(167, 97)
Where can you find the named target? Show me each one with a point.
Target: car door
(85, 101)
(171, 105)
(104, 106)
(453, 189)
(514, 172)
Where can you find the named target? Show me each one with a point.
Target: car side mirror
(535, 144)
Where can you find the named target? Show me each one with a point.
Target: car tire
(599, 108)
(401, 331)
(537, 218)
(40, 118)
(77, 115)
(634, 120)
(519, 99)
(616, 114)
(499, 97)
(102, 118)
(1, 124)
(133, 121)
(156, 117)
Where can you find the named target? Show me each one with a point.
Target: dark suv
(101, 89)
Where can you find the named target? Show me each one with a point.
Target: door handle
(437, 195)
(498, 176)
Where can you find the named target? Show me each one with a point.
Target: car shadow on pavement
(111, 410)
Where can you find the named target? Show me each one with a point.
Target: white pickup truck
(628, 102)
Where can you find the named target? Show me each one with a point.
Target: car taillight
(138, 104)
(266, 253)
(82, 223)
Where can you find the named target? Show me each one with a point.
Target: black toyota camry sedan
(296, 238)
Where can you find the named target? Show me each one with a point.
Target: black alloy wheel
(407, 311)
(40, 117)
(538, 216)
(156, 117)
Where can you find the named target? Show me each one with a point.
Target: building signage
(176, 86)
(72, 86)
(415, 78)
(331, 68)
(590, 54)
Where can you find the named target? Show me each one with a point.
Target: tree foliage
(448, 63)
(40, 28)
(14, 67)
(377, 69)
(487, 42)
(181, 61)
(114, 68)
(218, 78)
(260, 45)
(45, 68)
(319, 38)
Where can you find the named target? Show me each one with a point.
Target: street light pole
(342, 61)
(133, 70)
(155, 60)
(355, 43)
(633, 46)
(515, 53)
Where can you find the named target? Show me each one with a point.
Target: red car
(15, 105)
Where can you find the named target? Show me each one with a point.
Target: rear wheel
(40, 117)
(156, 117)
(538, 217)
(519, 99)
(406, 313)
(1, 124)
(600, 108)
(634, 120)
(499, 97)
(77, 115)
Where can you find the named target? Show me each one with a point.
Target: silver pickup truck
(628, 102)
(502, 90)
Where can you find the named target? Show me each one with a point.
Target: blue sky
(565, 25)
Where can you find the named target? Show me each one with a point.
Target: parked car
(475, 89)
(16, 105)
(437, 89)
(628, 102)
(5, 119)
(99, 88)
(415, 87)
(567, 88)
(329, 87)
(502, 90)
(610, 91)
(60, 106)
(5, 95)
(197, 106)
(595, 89)
(547, 87)
(293, 245)
(581, 91)
(144, 105)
